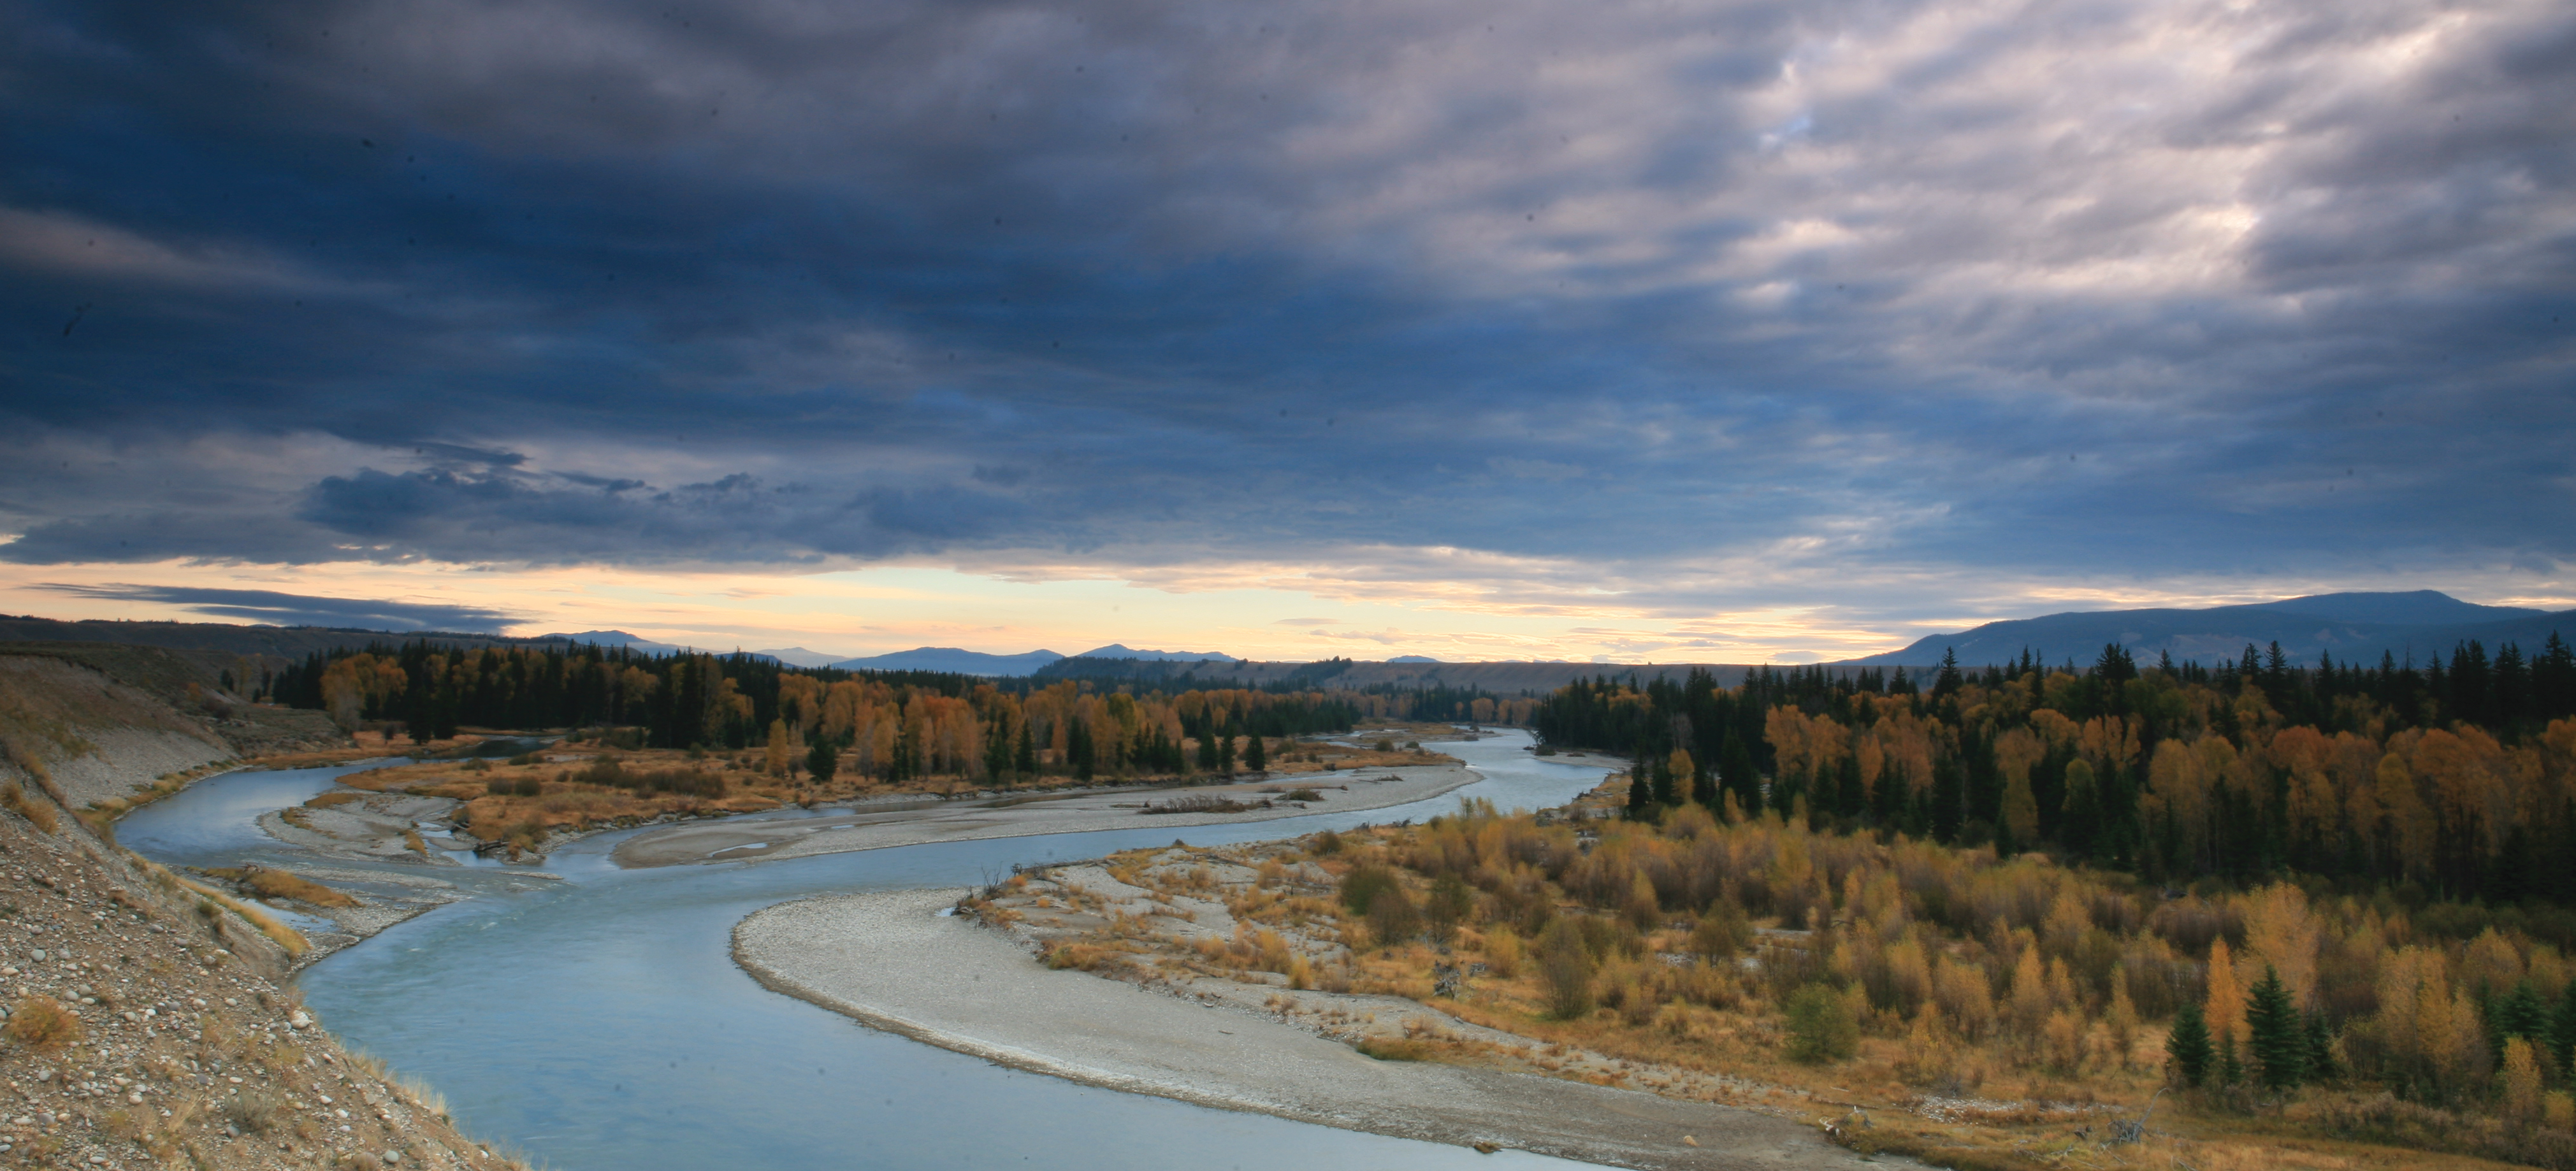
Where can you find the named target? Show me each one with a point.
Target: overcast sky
(1730, 331)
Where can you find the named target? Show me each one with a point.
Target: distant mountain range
(615, 638)
(2350, 626)
(951, 660)
(965, 662)
(1115, 651)
(797, 656)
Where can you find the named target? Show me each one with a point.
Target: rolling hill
(2349, 626)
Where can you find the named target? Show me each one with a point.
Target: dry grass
(279, 933)
(327, 800)
(13, 797)
(280, 884)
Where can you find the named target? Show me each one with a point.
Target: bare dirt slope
(152, 1027)
(90, 724)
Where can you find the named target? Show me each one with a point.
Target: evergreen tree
(1948, 682)
(1851, 797)
(1641, 793)
(2083, 808)
(2230, 1070)
(2275, 1033)
(2562, 1032)
(1947, 797)
(997, 751)
(1893, 789)
(1737, 773)
(1256, 757)
(2519, 1013)
(2322, 1065)
(1026, 761)
(1077, 744)
(823, 759)
(2187, 1046)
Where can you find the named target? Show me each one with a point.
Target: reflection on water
(600, 1023)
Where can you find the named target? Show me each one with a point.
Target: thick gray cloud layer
(2149, 288)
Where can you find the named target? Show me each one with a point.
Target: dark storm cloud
(2141, 288)
(281, 609)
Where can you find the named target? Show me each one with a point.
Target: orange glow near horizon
(1512, 612)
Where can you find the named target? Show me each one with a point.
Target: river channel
(597, 1021)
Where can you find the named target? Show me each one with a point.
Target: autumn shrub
(1565, 968)
(1503, 951)
(1362, 886)
(1822, 1024)
(1449, 904)
(1392, 917)
(1722, 932)
(1930, 1052)
(42, 1024)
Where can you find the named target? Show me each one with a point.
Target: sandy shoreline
(735, 839)
(891, 961)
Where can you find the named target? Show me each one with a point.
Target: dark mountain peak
(2412, 607)
(2349, 626)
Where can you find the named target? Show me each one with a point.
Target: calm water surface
(600, 1023)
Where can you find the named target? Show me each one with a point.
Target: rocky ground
(151, 1026)
(871, 826)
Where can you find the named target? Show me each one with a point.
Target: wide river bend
(598, 1022)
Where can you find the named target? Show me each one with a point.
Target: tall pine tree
(2276, 1034)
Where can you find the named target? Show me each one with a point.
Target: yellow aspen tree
(2063, 1041)
(777, 761)
(2401, 977)
(2225, 1006)
(2029, 995)
(2122, 1018)
(2280, 932)
(1965, 997)
(2406, 831)
(1684, 783)
(2443, 1033)
(2521, 1084)
(2061, 987)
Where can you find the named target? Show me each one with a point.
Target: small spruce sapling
(2187, 1050)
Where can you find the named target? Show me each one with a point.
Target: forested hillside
(2457, 778)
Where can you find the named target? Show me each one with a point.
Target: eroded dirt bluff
(151, 1026)
(92, 723)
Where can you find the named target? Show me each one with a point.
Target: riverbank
(892, 961)
(149, 1026)
(915, 822)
